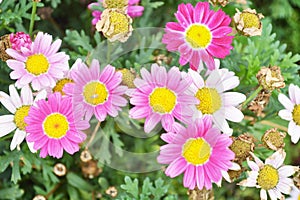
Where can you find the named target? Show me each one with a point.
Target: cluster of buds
(115, 24)
(248, 22)
(89, 167)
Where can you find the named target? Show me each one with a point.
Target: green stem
(252, 96)
(109, 48)
(32, 19)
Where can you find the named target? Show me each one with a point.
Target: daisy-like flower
(19, 107)
(295, 194)
(199, 151)
(54, 126)
(292, 111)
(99, 92)
(161, 96)
(214, 100)
(39, 65)
(271, 176)
(200, 35)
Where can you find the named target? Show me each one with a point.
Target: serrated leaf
(11, 193)
(131, 187)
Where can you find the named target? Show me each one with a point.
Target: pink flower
(199, 151)
(133, 10)
(160, 96)
(19, 40)
(199, 35)
(40, 65)
(100, 93)
(53, 126)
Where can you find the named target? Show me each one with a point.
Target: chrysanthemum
(271, 176)
(199, 151)
(161, 96)
(54, 126)
(19, 107)
(99, 92)
(199, 35)
(40, 65)
(292, 111)
(214, 100)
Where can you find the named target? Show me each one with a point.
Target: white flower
(292, 111)
(271, 176)
(214, 101)
(19, 107)
(295, 194)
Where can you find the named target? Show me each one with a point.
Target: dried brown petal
(161, 59)
(4, 44)
(242, 146)
(90, 169)
(60, 169)
(222, 3)
(273, 139)
(203, 194)
(112, 191)
(270, 78)
(259, 103)
(86, 156)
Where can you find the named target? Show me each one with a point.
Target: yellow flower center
(196, 151)
(296, 114)
(120, 22)
(241, 149)
(37, 64)
(210, 100)
(56, 125)
(267, 177)
(95, 93)
(250, 20)
(162, 100)
(20, 114)
(198, 36)
(60, 85)
(115, 3)
(299, 197)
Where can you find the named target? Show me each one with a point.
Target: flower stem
(252, 96)
(93, 135)
(32, 19)
(109, 48)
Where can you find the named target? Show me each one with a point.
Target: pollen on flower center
(162, 100)
(95, 93)
(56, 125)
(210, 100)
(115, 3)
(60, 85)
(20, 114)
(250, 20)
(196, 151)
(37, 64)
(268, 177)
(120, 22)
(296, 114)
(198, 36)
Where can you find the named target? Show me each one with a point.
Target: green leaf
(131, 187)
(11, 193)
(73, 193)
(78, 182)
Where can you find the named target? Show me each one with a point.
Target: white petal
(294, 131)
(272, 194)
(26, 95)
(263, 194)
(6, 128)
(286, 102)
(226, 176)
(285, 114)
(257, 160)
(294, 92)
(233, 114)
(232, 98)
(253, 166)
(197, 79)
(287, 170)
(235, 166)
(5, 100)
(14, 96)
(221, 123)
(41, 95)
(18, 138)
(30, 146)
(276, 159)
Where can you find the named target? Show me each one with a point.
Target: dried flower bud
(128, 77)
(86, 156)
(39, 197)
(235, 174)
(112, 191)
(296, 179)
(222, 3)
(273, 139)
(60, 169)
(115, 3)
(45, 13)
(270, 78)
(203, 194)
(115, 25)
(4, 44)
(19, 40)
(248, 22)
(242, 146)
(161, 59)
(90, 169)
(259, 103)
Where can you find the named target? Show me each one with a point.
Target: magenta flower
(199, 35)
(100, 93)
(199, 151)
(40, 65)
(133, 10)
(19, 40)
(160, 96)
(53, 126)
